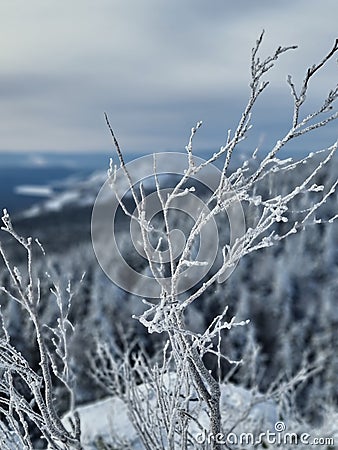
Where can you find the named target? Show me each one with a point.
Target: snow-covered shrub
(27, 396)
(250, 191)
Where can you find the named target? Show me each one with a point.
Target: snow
(108, 421)
(105, 420)
(80, 193)
(35, 190)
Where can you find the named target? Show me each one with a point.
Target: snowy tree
(271, 217)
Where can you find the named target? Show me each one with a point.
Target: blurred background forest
(289, 292)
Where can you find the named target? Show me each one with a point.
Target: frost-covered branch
(19, 408)
(272, 216)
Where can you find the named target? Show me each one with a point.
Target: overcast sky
(155, 66)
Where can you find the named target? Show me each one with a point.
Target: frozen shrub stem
(271, 211)
(39, 409)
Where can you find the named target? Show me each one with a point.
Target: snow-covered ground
(108, 420)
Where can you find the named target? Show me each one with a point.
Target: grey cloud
(156, 67)
(25, 86)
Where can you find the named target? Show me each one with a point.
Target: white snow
(35, 190)
(107, 420)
